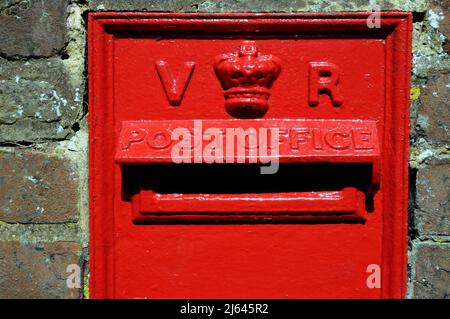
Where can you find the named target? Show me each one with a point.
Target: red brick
(432, 271)
(37, 187)
(30, 28)
(435, 109)
(37, 271)
(433, 199)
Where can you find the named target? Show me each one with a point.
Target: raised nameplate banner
(239, 141)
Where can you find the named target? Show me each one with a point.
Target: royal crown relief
(246, 76)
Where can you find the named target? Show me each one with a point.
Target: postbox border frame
(395, 28)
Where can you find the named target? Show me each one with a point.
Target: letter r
(323, 79)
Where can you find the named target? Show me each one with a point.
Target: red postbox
(248, 155)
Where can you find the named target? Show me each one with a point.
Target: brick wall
(43, 137)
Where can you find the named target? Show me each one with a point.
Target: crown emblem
(246, 78)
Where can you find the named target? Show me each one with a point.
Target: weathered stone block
(429, 56)
(254, 5)
(441, 14)
(30, 28)
(38, 100)
(434, 113)
(37, 271)
(37, 187)
(432, 215)
(432, 270)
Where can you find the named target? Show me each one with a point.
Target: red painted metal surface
(331, 92)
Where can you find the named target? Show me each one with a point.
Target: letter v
(174, 87)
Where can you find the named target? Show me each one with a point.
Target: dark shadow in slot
(246, 179)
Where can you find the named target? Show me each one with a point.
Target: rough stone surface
(432, 271)
(37, 271)
(254, 5)
(429, 56)
(435, 109)
(441, 8)
(38, 101)
(37, 187)
(433, 198)
(31, 28)
(38, 233)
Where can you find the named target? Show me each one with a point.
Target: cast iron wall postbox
(179, 209)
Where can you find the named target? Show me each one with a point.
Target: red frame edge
(100, 69)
